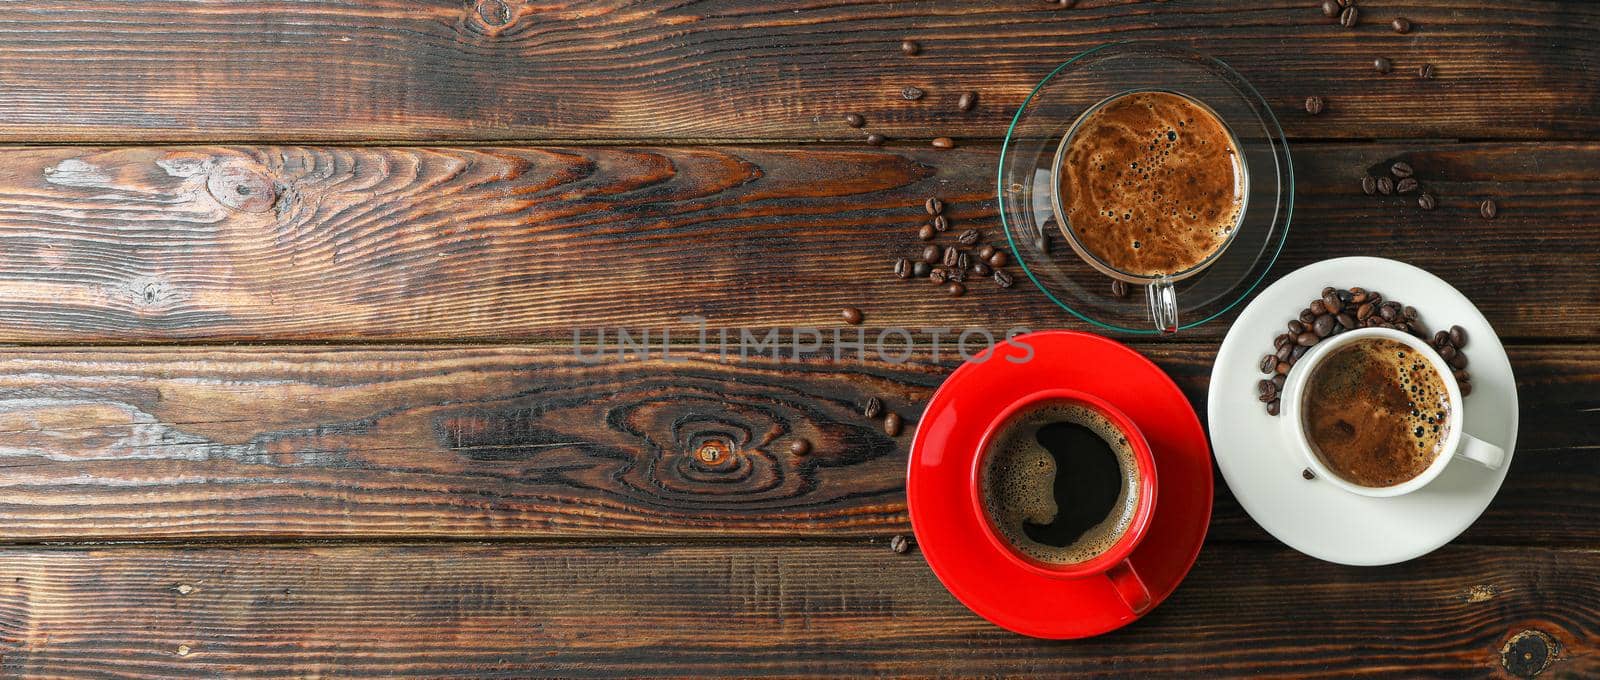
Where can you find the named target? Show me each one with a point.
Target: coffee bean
(899, 544)
(1281, 340)
(1307, 318)
(1307, 338)
(982, 268)
(1323, 326)
(940, 223)
(1374, 297)
(1447, 352)
(874, 407)
(1285, 351)
(800, 447)
(854, 120)
(1458, 336)
(1345, 320)
(1268, 362)
(1358, 295)
(876, 139)
(1344, 297)
(931, 253)
(1458, 361)
(963, 261)
(1330, 8)
(1332, 303)
(1296, 327)
(951, 255)
(1349, 16)
(1306, 473)
(1425, 71)
(920, 269)
(998, 259)
(934, 206)
(1326, 291)
(925, 232)
(1267, 391)
(1488, 208)
(851, 315)
(1282, 368)
(944, 143)
(1119, 288)
(1466, 388)
(1002, 279)
(1406, 186)
(1401, 25)
(1401, 169)
(1317, 308)
(969, 237)
(902, 268)
(910, 48)
(1461, 374)
(910, 93)
(1297, 351)
(1382, 65)
(1440, 338)
(891, 424)
(1064, 4)
(938, 276)
(1314, 105)
(954, 274)
(1426, 201)
(1364, 311)
(1278, 380)
(1369, 185)
(1385, 186)
(955, 289)
(985, 252)
(1410, 313)
(967, 101)
(1372, 322)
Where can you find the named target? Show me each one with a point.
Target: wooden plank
(785, 69)
(361, 244)
(785, 609)
(500, 442)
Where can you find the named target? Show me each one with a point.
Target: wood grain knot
(242, 188)
(492, 17)
(1528, 653)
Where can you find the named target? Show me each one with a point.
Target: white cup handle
(1481, 452)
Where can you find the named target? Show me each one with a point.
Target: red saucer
(947, 529)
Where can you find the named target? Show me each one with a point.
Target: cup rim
(1143, 458)
(1298, 381)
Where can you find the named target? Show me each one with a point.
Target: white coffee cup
(1457, 443)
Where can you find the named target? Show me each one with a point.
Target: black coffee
(1059, 483)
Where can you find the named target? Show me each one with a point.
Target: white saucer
(1263, 470)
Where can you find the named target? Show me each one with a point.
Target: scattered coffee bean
(956, 275)
(956, 289)
(940, 223)
(1307, 318)
(1281, 340)
(931, 253)
(1346, 321)
(1330, 8)
(1401, 169)
(938, 276)
(944, 143)
(1296, 327)
(925, 232)
(1314, 105)
(1002, 279)
(998, 259)
(1349, 16)
(969, 237)
(951, 255)
(910, 93)
(1425, 71)
(1327, 290)
(1458, 337)
(934, 206)
(963, 261)
(1297, 351)
(1119, 288)
(920, 269)
(1388, 312)
(1267, 392)
(1466, 388)
(1447, 352)
(891, 424)
(1063, 4)
(1364, 311)
(1268, 362)
(1458, 361)
(1440, 338)
(910, 48)
(985, 252)
(982, 268)
(968, 101)
(1461, 374)
(873, 409)
(1426, 201)
(854, 120)
(800, 447)
(1285, 351)
(1385, 186)
(1406, 186)
(1369, 185)
(1306, 339)
(851, 315)
(1282, 369)
(1272, 407)
(1323, 326)
(1382, 65)
(1279, 380)
(1358, 295)
(1372, 322)
(1410, 313)
(1401, 25)
(1488, 208)
(1332, 302)
(899, 544)
(902, 268)
(1306, 473)
(876, 139)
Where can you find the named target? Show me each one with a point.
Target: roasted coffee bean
(938, 276)
(934, 206)
(951, 255)
(982, 268)
(1306, 473)
(1447, 352)
(1488, 208)
(1441, 338)
(1382, 65)
(1458, 336)
(1369, 185)
(963, 261)
(1282, 368)
(940, 223)
(1281, 340)
(1330, 8)
(1364, 311)
(1461, 374)
(851, 315)
(954, 274)
(876, 139)
(854, 120)
(1345, 320)
(985, 252)
(1296, 327)
(1278, 380)
(1267, 362)
(1401, 25)
(1466, 388)
(891, 424)
(931, 253)
(1358, 295)
(1385, 186)
(1283, 352)
(1388, 313)
(1272, 407)
(1317, 308)
(1372, 322)
(1297, 351)
(899, 544)
(998, 259)
(799, 447)
(1002, 279)
(1425, 71)
(1374, 297)
(1349, 16)
(874, 407)
(1459, 360)
(1332, 303)
(1307, 318)
(910, 93)
(920, 269)
(969, 237)
(1265, 386)
(1401, 169)
(1326, 291)
(1268, 392)
(955, 289)
(1426, 201)
(925, 232)
(944, 143)
(967, 101)
(902, 268)
(1307, 339)
(1410, 313)
(1314, 105)
(1323, 326)
(1406, 186)
(910, 48)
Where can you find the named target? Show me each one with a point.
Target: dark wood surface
(288, 290)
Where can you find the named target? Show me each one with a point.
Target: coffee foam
(1017, 476)
(1377, 412)
(1152, 183)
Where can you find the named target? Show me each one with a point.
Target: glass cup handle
(1129, 587)
(1163, 306)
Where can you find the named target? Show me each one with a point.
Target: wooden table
(289, 291)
